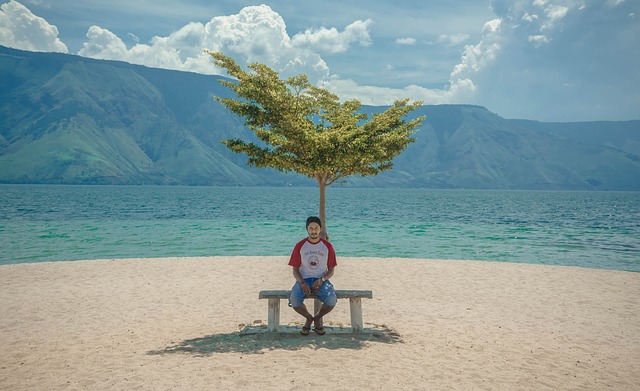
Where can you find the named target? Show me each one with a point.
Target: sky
(544, 60)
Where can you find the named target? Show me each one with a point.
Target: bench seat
(355, 305)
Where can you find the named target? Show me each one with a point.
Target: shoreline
(162, 323)
(408, 258)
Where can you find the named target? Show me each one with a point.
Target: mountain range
(67, 119)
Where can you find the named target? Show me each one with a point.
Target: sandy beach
(178, 324)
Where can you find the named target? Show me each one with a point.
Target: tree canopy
(306, 129)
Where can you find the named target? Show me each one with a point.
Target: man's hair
(313, 219)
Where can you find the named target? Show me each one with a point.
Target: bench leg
(355, 304)
(316, 306)
(273, 322)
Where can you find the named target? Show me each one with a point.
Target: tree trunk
(322, 185)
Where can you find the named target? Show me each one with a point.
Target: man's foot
(307, 327)
(319, 330)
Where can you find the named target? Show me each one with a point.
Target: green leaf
(305, 128)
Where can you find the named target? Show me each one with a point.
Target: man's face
(313, 230)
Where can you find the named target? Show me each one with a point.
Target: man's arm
(318, 283)
(328, 274)
(303, 284)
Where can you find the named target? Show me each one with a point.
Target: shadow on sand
(256, 339)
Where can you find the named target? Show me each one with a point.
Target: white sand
(163, 324)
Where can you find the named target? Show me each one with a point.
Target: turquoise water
(53, 223)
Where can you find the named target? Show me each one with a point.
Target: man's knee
(331, 301)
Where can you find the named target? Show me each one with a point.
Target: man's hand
(317, 284)
(306, 289)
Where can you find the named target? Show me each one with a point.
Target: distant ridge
(73, 120)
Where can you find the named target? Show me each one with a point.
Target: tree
(305, 129)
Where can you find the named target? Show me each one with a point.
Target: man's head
(314, 225)
(314, 219)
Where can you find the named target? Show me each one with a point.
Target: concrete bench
(355, 306)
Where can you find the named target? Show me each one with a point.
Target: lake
(59, 223)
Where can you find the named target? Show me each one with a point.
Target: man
(313, 260)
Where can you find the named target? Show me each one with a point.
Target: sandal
(319, 330)
(305, 330)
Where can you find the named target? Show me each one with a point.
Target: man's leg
(317, 319)
(329, 300)
(302, 310)
(296, 300)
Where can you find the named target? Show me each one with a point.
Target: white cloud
(255, 34)
(528, 63)
(103, 44)
(461, 88)
(561, 64)
(331, 41)
(475, 59)
(615, 3)
(134, 37)
(21, 29)
(379, 96)
(538, 40)
(406, 41)
(453, 39)
(554, 14)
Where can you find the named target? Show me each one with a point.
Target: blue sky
(547, 60)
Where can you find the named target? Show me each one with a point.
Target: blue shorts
(326, 294)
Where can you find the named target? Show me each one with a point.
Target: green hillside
(72, 120)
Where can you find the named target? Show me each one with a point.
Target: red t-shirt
(313, 259)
